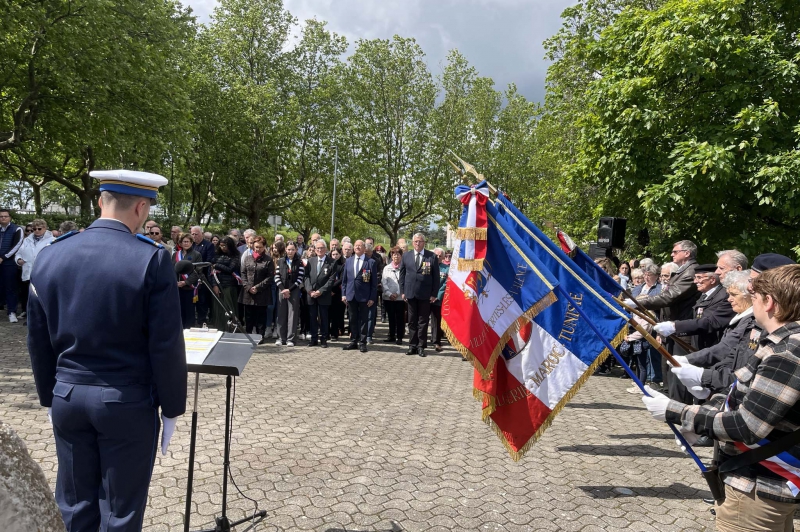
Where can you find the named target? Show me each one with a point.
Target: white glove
(656, 404)
(50, 414)
(691, 439)
(700, 392)
(682, 360)
(665, 328)
(167, 432)
(630, 302)
(689, 375)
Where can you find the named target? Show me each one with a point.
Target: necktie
(319, 266)
(358, 265)
(419, 260)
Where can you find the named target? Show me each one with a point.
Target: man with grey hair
(346, 240)
(677, 301)
(320, 275)
(174, 234)
(347, 249)
(247, 247)
(419, 287)
(334, 243)
(235, 235)
(730, 260)
(372, 313)
(278, 238)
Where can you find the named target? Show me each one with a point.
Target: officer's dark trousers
(8, 285)
(318, 319)
(358, 321)
(106, 439)
(203, 305)
(419, 313)
(436, 324)
(187, 307)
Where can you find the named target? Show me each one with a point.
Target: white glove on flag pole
(665, 328)
(167, 432)
(689, 375)
(657, 404)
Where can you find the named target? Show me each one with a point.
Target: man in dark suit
(419, 286)
(320, 275)
(105, 370)
(359, 292)
(712, 312)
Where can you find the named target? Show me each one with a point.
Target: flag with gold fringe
(546, 362)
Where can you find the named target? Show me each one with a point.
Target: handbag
(713, 475)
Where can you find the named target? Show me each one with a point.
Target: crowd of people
(292, 291)
(733, 330)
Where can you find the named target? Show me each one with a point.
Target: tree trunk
(37, 199)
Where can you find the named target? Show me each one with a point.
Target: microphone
(184, 267)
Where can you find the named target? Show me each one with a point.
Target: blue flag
(593, 270)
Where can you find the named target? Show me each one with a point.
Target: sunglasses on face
(155, 233)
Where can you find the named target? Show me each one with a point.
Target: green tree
(693, 126)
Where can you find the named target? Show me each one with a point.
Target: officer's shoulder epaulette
(64, 237)
(149, 241)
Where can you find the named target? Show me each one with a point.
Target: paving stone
(331, 440)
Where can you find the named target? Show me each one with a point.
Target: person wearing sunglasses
(25, 257)
(157, 236)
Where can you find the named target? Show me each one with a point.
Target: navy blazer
(354, 287)
(422, 282)
(104, 310)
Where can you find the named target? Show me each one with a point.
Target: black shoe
(438, 348)
(704, 441)
(363, 348)
(350, 346)
(334, 337)
(411, 350)
(390, 339)
(263, 341)
(399, 342)
(422, 352)
(323, 344)
(312, 343)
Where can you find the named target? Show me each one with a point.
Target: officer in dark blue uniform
(106, 346)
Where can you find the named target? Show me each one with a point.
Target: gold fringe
(517, 455)
(471, 233)
(518, 324)
(470, 265)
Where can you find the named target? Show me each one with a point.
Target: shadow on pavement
(395, 528)
(603, 406)
(641, 436)
(673, 491)
(622, 450)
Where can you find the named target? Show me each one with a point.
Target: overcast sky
(501, 38)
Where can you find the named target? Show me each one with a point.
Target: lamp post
(333, 206)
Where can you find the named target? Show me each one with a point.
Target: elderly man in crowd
(320, 274)
(278, 238)
(678, 299)
(334, 243)
(206, 250)
(359, 293)
(730, 260)
(347, 250)
(247, 247)
(157, 236)
(419, 287)
(174, 234)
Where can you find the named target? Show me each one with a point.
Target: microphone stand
(222, 523)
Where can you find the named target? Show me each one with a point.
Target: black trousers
(436, 323)
(358, 321)
(254, 318)
(419, 314)
(318, 322)
(396, 311)
(203, 305)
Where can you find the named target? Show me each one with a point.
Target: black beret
(767, 261)
(705, 268)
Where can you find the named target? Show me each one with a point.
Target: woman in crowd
(215, 240)
(277, 251)
(395, 306)
(624, 273)
(648, 360)
(34, 242)
(224, 280)
(187, 282)
(257, 282)
(336, 327)
(380, 250)
(289, 279)
(637, 278)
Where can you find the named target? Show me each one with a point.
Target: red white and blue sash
(783, 464)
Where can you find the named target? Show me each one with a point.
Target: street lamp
(333, 206)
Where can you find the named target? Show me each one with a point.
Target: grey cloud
(501, 38)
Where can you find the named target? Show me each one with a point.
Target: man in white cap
(105, 362)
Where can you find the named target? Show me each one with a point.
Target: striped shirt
(763, 405)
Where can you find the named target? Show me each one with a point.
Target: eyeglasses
(674, 251)
(155, 232)
(38, 228)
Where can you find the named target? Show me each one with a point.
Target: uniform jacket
(739, 342)
(362, 287)
(422, 282)
(104, 310)
(711, 316)
(322, 282)
(259, 273)
(192, 279)
(29, 250)
(679, 297)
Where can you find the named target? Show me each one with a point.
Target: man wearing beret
(104, 372)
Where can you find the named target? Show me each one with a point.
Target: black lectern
(228, 357)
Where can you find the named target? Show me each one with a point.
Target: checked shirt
(764, 404)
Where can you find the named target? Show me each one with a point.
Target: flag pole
(688, 348)
(630, 373)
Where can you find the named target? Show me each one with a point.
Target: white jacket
(29, 250)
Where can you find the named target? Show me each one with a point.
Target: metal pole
(333, 207)
(171, 189)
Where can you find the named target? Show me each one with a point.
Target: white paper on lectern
(199, 344)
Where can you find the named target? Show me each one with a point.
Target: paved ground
(332, 440)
